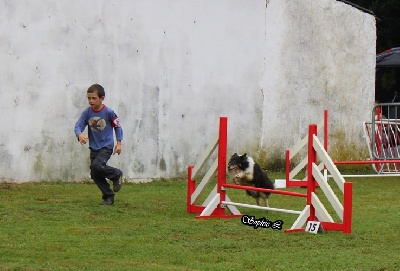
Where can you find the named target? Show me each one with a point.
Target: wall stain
(38, 166)
(340, 148)
(162, 164)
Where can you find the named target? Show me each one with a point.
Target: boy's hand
(118, 148)
(82, 139)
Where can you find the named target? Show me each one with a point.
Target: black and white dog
(245, 171)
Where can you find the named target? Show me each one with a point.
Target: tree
(387, 31)
(387, 24)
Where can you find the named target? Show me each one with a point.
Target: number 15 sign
(313, 226)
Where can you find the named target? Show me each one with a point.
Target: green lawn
(60, 226)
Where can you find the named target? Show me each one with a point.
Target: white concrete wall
(319, 55)
(170, 69)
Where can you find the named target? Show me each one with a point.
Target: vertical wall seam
(261, 80)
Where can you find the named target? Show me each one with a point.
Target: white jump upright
(382, 137)
(219, 165)
(217, 203)
(290, 180)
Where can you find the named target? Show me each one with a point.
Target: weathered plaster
(170, 70)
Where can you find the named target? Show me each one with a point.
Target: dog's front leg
(240, 175)
(266, 202)
(248, 176)
(236, 180)
(258, 201)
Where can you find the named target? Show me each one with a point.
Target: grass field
(60, 226)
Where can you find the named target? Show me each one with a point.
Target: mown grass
(60, 226)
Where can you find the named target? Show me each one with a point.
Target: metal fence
(383, 137)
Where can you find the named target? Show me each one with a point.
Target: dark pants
(100, 171)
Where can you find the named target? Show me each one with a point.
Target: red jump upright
(218, 204)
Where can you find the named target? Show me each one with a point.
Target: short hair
(96, 88)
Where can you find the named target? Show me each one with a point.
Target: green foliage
(388, 29)
(388, 25)
(60, 226)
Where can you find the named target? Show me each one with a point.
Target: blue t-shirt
(101, 124)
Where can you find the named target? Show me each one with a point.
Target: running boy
(101, 121)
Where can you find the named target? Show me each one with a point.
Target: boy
(101, 121)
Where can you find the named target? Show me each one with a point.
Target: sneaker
(107, 202)
(118, 183)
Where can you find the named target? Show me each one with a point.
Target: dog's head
(238, 162)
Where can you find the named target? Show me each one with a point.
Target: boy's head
(96, 88)
(95, 95)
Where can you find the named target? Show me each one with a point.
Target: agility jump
(290, 180)
(385, 161)
(219, 205)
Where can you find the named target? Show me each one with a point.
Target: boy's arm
(118, 134)
(82, 138)
(118, 148)
(79, 128)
